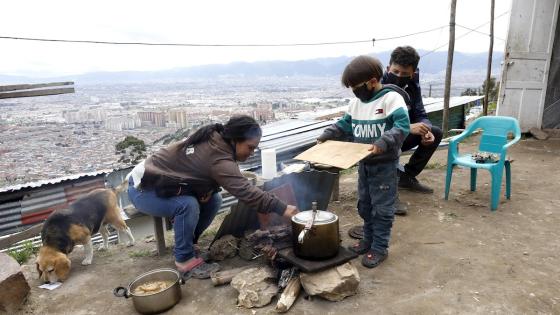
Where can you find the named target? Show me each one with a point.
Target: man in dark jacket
(403, 72)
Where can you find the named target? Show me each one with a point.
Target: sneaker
(361, 247)
(411, 183)
(372, 259)
(400, 208)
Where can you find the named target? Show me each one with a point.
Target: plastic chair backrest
(495, 132)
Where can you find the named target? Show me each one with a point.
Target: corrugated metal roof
(51, 181)
(432, 104)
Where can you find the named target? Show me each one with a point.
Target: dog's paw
(129, 244)
(86, 262)
(102, 248)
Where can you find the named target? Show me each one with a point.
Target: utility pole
(450, 51)
(489, 68)
(430, 93)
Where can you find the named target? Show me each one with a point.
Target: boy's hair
(361, 69)
(405, 56)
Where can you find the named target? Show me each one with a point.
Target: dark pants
(377, 189)
(423, 153)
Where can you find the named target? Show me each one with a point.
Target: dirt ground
(446, 257)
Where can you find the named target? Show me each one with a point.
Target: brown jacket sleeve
(227, 174)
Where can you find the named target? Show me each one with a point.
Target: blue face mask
(363, 93)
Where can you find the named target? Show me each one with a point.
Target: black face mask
(363, 93)
(396, 80)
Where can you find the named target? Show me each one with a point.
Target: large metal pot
(159, 301)
(315, 234)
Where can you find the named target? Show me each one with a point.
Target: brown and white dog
(66, 228)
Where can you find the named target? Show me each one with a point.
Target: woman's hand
(290, 211)
(205, 198)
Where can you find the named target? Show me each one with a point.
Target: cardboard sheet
(336, 153)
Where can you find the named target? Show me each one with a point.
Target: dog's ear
(62, 267)
(38, 269)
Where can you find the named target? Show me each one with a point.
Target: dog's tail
(121, 187)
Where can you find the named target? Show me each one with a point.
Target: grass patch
(22, 254)
(351, 170)
(435, 166)
(140, 253)
(210, 232)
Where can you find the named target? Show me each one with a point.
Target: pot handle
(121, 292)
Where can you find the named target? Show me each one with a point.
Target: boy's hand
(420, 129)
(428, 138)
(319, 141)
(375, 150)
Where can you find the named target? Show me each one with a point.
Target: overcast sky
(226, 22)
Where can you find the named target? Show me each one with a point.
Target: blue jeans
(190, 217)
(377, 192)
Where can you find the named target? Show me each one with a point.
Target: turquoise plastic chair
(494, 139)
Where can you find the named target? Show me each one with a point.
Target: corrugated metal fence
(27, 206)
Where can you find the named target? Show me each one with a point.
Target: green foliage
(131, 149)
(131, 141)
(180, 134)
(470, 92)
(494, 89)
(22, 255)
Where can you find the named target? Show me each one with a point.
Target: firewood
(289, 295)
(258, 234)
(225, 276)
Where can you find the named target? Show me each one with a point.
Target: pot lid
(322, 217)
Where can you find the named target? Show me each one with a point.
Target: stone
(333, 284)
(256, 286)
(13, 286)
(225, 247)
(538, 133)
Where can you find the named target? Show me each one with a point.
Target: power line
(214, 45)
(479, 32)
(467, 33)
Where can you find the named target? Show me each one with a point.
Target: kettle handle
(121, 292)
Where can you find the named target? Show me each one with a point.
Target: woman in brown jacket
(181, 181)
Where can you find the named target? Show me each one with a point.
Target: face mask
(363, 93)
(396, 80)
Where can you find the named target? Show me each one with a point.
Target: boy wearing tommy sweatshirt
(377, 116)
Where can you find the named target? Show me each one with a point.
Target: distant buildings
(179, 118)
(263, 113)
(83, 116)
(157, 119)
(123, 123)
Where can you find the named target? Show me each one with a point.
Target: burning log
(225, 276)
(274, 232)
(289, 296)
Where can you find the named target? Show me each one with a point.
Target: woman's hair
(238, 129)
(361, 69)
